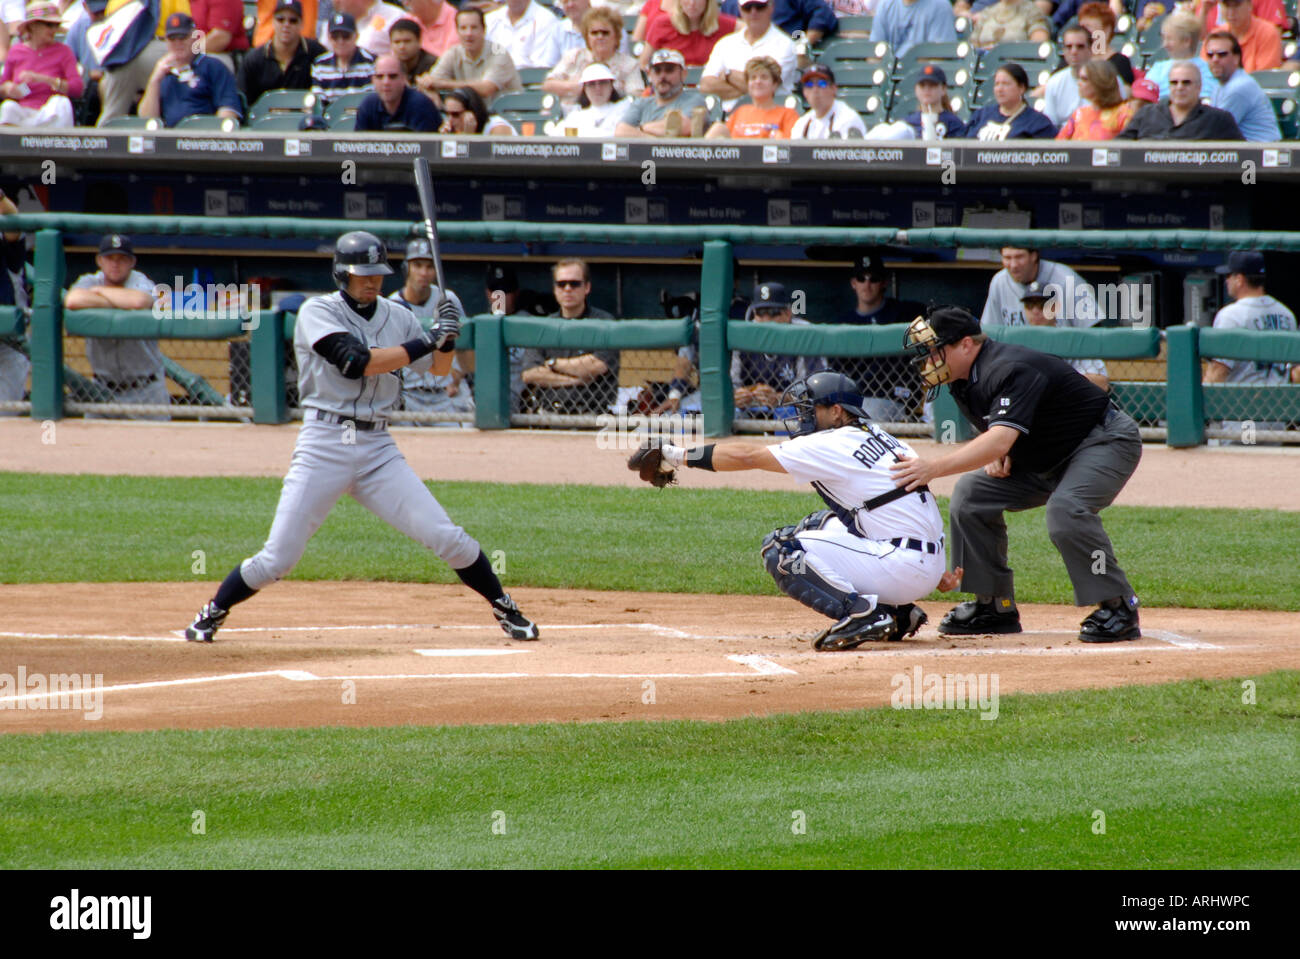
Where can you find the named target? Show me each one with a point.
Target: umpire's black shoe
(857, 628)
(1114, 621)
(978, 619)
(515, 624)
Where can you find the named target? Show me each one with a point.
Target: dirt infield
(306, 654)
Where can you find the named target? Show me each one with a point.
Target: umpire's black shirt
(1052, 404)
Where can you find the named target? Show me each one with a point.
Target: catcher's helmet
(359, 254)
(820, 389)
(927, 336)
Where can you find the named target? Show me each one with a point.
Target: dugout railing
(1182, 410)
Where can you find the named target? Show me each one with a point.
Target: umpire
(1049, 437)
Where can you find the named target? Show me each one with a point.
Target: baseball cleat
(515, 623)
(206, 623)
(1114, 621)
(978, 619)
(908, 618)
(855, 629)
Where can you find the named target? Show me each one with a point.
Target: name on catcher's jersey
(849, 466)
(321, 385)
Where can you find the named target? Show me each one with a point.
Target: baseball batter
(350, 346)
(427, 391)
(873, 552)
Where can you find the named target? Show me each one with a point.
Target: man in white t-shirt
(724, 74)
(829, 118)
(874, 551)
(529, 32)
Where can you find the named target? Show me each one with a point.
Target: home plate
(470, 652)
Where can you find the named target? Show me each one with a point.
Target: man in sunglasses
(1061, 93)
(572, 381)
(1260, 42)
(673, 110)
(1182, 116)
(393, 105)
(724, 74)
(1238, 92)
(284, 61)
(828, 118)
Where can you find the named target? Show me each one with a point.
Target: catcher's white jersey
(1255, 313)
(849, 466)
(320, 384)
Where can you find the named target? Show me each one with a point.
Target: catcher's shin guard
(787, 563)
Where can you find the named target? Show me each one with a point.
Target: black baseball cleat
(978, 619)
(908, 618)
(1114, 621)
(855, 629)
(206, 623)
(515, 623)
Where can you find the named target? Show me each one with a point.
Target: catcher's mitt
(648, 462)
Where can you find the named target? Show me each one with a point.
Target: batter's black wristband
(417, 348)
(701, 458)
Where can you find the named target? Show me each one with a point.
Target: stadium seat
(283, 101)
(1285, 109)
(533, 76)
(342, 124)
(963, 26)
(694, 75)
(529, 101)
(629, 22)
(345, 105)
(853, 27)
(277, 122)
(959, 76)
(532, 123)
(862, 75)
(1149, 44)
(208, 122)
(134, 123)
(903, 103)
(250, 17)
(857, 51)
(942, 54)
(870, 107)
(1277, 79)
(1036, 58)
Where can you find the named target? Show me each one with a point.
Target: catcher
(875, 549)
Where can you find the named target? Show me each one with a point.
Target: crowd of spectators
(70, 62)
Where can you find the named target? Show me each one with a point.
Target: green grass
(1186, 775)
(109, 529)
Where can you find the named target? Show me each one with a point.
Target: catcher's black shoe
(855, 629)
(907, 619)
(515, 623)
(978, 619)
(206, 623)
(1114, 621)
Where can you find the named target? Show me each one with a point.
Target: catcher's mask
(820, 389)
(359, 254)
(928, 336)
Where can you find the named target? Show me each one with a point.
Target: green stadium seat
(959, 76)
(1277, 79)
(857, 51)
(1036, 58)
(529, 101)
(861, 75)
(942, 54)
(345, 105)
(963, 26)
(210, 123)
(530, 123)
(134, 123)
(342, 124)
(284, 101)
(694, 75)
(1149, 46)
(1286, 107)
(854, 26)
(277, 122)
(533, 76)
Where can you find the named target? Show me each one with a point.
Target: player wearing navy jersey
(350, 347)
(865, 559)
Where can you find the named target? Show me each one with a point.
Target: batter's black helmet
(820, 389)
(359, 254)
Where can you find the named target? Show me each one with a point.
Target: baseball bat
(424, 186)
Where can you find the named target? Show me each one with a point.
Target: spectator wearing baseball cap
(51, 80)
(185, 83)
(1041, 308)
(903, 25)
(370, 21)
(404, 37)
(934, 119)
(691, 27)
(600, 105)
(130, 368)
(827, 117)
(673, 111)
(1145, 91)
(725, 74)
(347, 68)
(266, 10)
(284, 61)
(759, 379)
(890, 385)
(764, 118)
(394, 105)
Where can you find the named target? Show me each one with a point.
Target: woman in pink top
(1105, 112)
(40, 78)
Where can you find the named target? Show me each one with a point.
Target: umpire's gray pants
(1075, 492)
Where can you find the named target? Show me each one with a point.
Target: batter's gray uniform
(132, 369)
(425, 392)
(333, 457)
(1076, 304)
